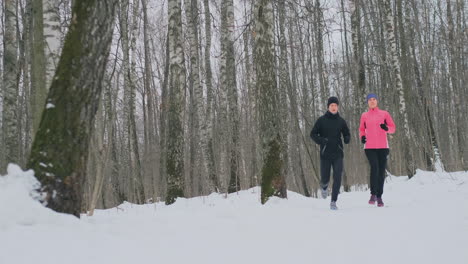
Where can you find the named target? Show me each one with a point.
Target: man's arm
(315, 135)
(345, 132)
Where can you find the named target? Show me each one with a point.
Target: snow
(425, 220)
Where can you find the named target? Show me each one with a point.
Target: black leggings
(378, 162)
(325, 168)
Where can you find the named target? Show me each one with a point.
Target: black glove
(384, 127)
(363, 139)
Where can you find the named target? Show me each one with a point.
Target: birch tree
(24, 112)
(60, 148)
(273, 182)
(10, 85)
(395, 60)
(46, 48)
(52, 35)
(152, 152)
(38, 71)
(454, 66)
(359, 74)
(251, 101)
(222, 121)
(100, 154)
(163, 127)
(196, 156)
(294, 154)
(177, 74)
(128, 49)
(229, 101)
(322, 71)
(207, 129)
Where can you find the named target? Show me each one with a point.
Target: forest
(150, 100)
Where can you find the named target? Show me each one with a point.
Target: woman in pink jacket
(373, 129)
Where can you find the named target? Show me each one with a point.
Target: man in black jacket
(327, 133)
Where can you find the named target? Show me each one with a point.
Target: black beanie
(332, 100)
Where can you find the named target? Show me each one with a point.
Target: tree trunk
(177, 73)
(151, 143)
(207, 129)
(229, 94)
(23, 72)
(322, 71)
(60, 148)
(38, 71)
(128, 49)
(252, 117)
(197, 156)
(454, 65)
(410, 166)
(359, 73)
(294, 154)
(10, 84)
(273, 182)
(52, 36)
(164, 121)
(101, 159)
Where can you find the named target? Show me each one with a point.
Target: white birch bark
(177, 74)
(395, 60)
(52, 36)
(223, 121)
(191, 11)
(230, 97)
(207, 129)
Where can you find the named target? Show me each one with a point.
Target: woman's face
(372, 103)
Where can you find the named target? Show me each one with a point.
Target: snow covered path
(425, 220)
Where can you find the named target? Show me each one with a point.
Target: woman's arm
(390, 124)
(362, 126)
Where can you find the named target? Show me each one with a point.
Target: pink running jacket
(370, 127)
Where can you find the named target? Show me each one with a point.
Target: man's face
(372, 103)
(333, 108)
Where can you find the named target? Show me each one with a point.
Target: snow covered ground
(425, 220)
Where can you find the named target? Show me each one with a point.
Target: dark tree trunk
(60, 148)
(273, 182)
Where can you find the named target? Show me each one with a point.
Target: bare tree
(273, 182)
(177, 73)
(410, 166)
(38, 72)
(454, 66)
(322, 71)
(10, 86)
(207, 129)
(152, 152)
(196, 94)
(60, 148)
(128, 49)
(229, 96)
(52, 35)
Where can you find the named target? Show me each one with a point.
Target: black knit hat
(332, 100)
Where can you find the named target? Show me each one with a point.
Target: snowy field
(425, 220)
